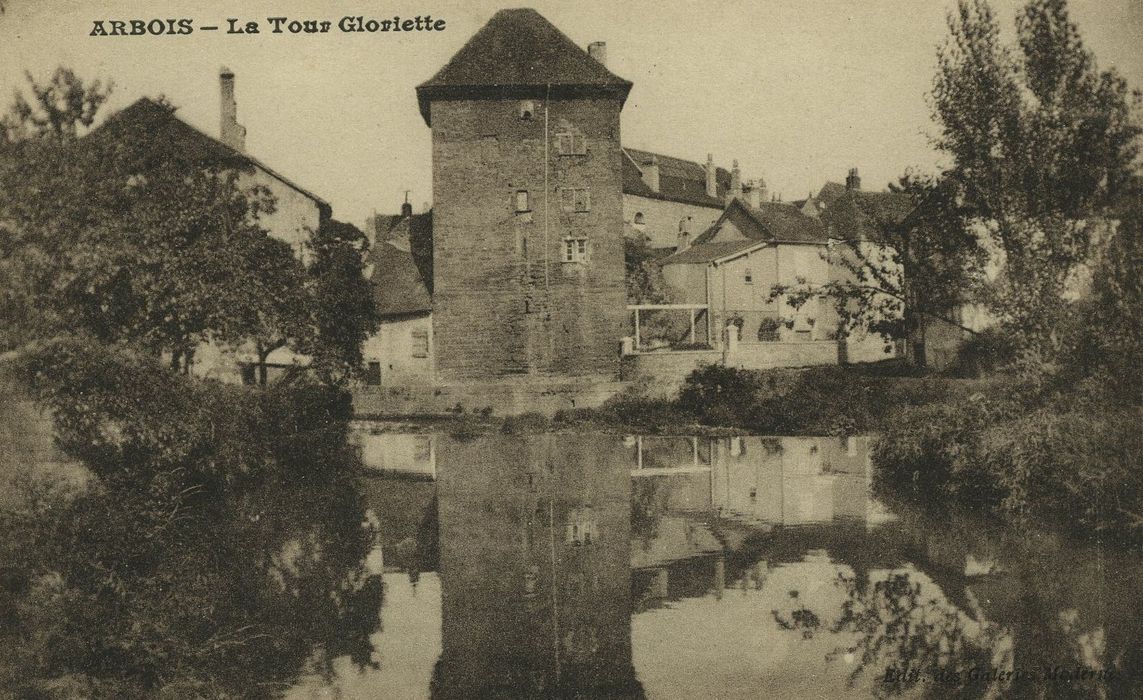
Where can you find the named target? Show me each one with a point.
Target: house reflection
(534, 553)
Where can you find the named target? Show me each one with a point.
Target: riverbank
(715, 401)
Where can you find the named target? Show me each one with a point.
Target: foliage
(59, 108)
(897, 628)
(344, 316)
(1044, 144)
(644, 277)
(920, 266)
(132, 239)
(118, 236)
(814, 401)
(219, 549)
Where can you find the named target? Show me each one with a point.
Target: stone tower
(527, 205)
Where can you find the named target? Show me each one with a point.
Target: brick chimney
(711, 181)
(651, 174)
(598, 51)
(753, 194)
(853, 180)
(230, 132)
(735, 183)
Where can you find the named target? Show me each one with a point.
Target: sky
(797, 91)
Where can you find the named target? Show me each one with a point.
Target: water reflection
(564, 565)
(590, 566)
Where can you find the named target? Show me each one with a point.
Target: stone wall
(772, 355)
(503, 398)
(505, 302)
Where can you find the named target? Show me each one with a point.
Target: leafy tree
(923, 263)
(1045, 144)
(132, 239)
(60, 107)
(344, 315)
(217, 553)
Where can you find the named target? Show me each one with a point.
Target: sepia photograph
(664, 349)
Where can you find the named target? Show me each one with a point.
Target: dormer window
(527, 110)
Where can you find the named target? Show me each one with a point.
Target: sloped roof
(679, 180)
(159, 123)
(857, 215)
(399, 288)
(515, 53)
(772, 221)
(709, 252)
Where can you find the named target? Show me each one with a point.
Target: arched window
(639, 220)
(527, 110)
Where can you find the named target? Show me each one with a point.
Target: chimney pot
(711, 181)
(598, 51)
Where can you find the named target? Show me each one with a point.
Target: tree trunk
(263, 355)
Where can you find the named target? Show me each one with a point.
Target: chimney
(406, 210)
(735, 183)
(853, 181)
(598, 51)
(684, 240)
(753, 195)
(711, 182)
(230, 132)
(651, 174)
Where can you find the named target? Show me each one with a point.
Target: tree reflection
(897, 630)
(212, 563)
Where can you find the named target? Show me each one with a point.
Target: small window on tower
(749, 277)
(569, 144)
(575, 250)
(527, 110)
(639, 219)
(522, 203)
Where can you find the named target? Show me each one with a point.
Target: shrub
(984, 353)
(719, 395)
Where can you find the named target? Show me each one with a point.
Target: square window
(575, 199)
(569, 144)
(749, 277)
(522, 203)
(575, 250)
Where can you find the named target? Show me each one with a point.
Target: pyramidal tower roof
(518, 53)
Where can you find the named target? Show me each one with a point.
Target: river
(575, 565)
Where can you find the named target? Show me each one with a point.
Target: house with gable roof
(297, 214)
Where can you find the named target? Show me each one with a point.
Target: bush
(719, 395)
(984, 353)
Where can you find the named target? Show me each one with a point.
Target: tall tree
(59, 109)
(344, 315)
(898, 268)
(1045, 143)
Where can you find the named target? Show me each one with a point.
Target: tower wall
(505, 301)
